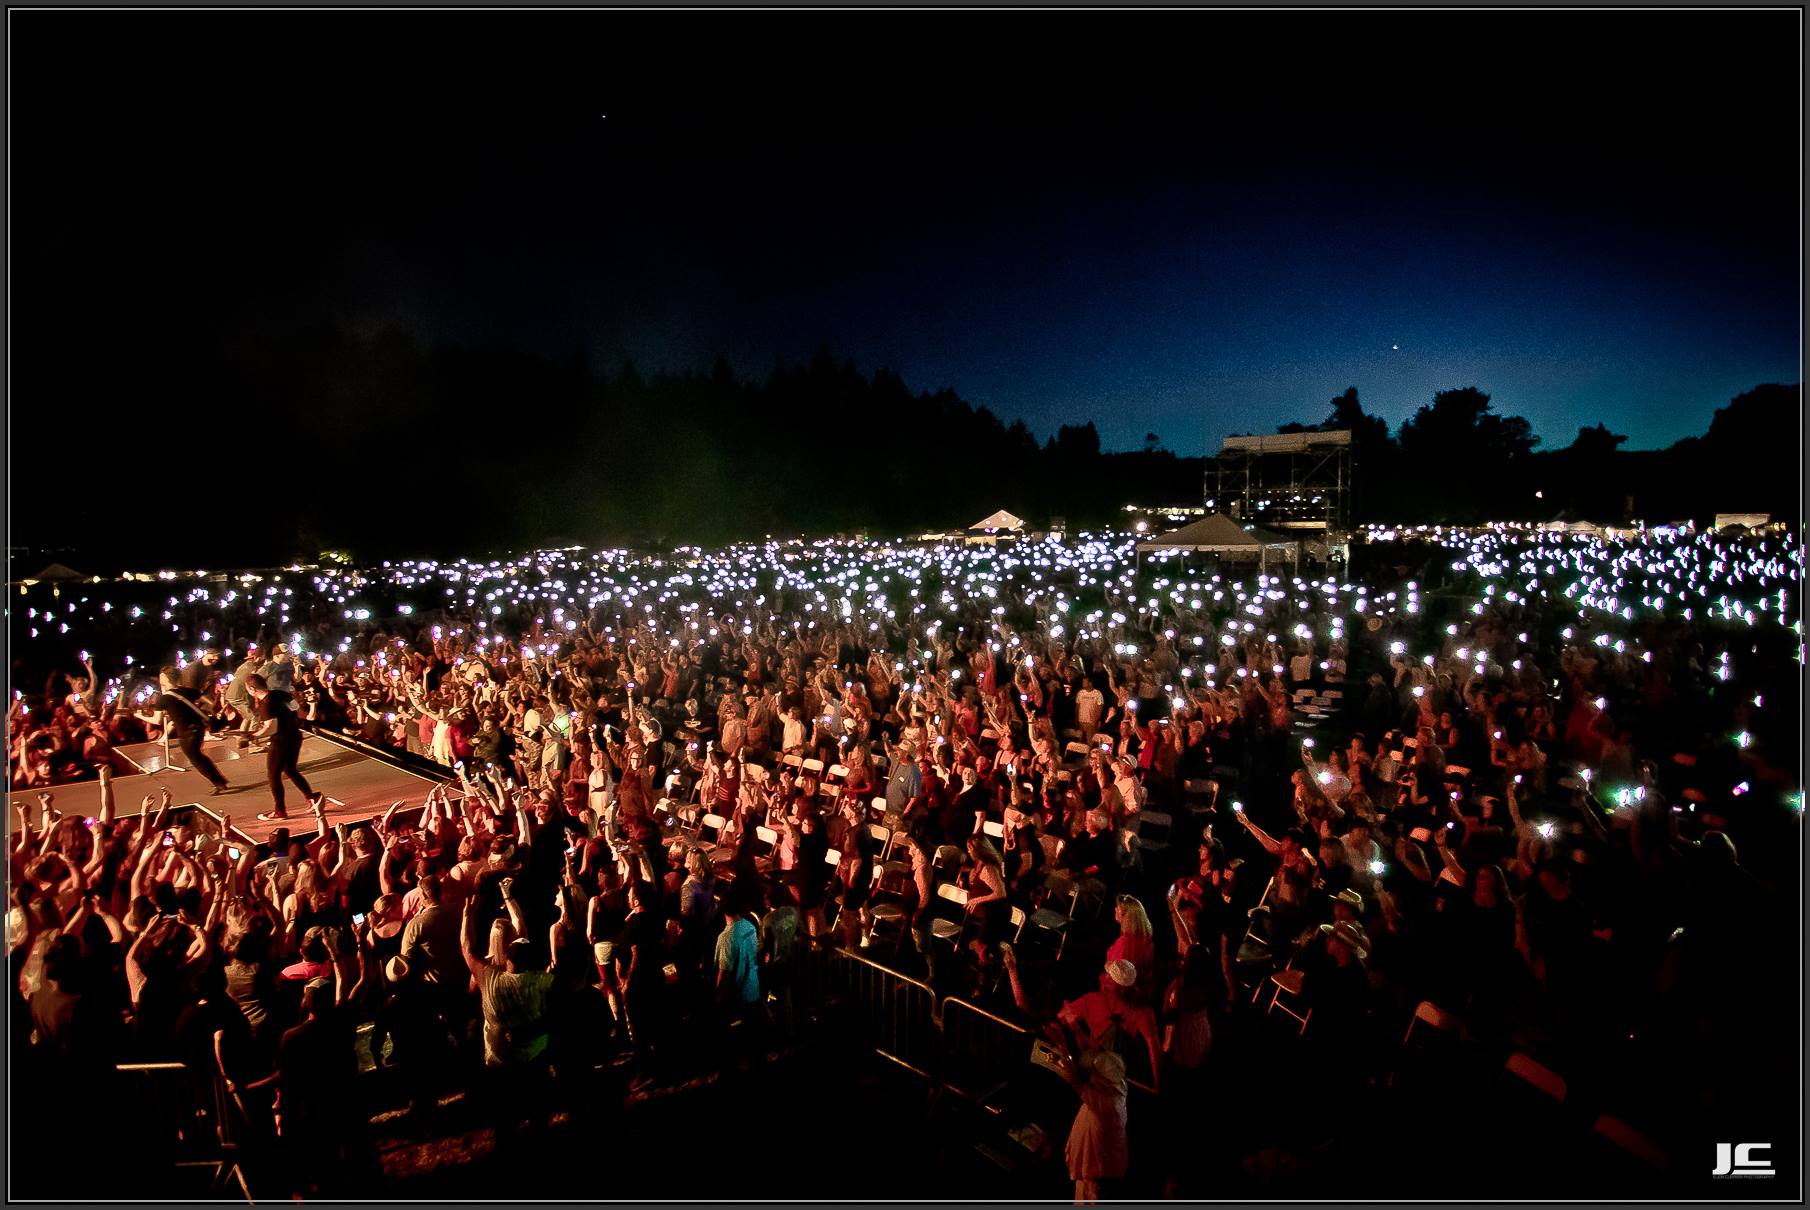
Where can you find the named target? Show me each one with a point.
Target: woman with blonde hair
(1135, 943)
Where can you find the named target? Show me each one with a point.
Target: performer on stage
(239, 697)
(182, 719)
(283, 730)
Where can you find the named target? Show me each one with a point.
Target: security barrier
(197, 1116)
(980, 1052)
(173, 1100)
(893, 1013)
(952, 1043)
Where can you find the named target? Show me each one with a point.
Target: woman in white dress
(1098, 1152)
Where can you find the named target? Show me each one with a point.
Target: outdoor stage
(363, 785)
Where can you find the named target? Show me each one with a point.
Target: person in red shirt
(1096, 1020)
(967, 717)
(1135, 944)
(460, 734)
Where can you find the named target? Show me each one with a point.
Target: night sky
(1180, 223)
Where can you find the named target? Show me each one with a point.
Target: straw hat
(1349, 935)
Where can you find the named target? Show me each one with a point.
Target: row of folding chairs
(1076, 751)
(949, 919)
(810, 764)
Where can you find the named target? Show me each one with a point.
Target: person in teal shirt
(737, 958)
(738, 989)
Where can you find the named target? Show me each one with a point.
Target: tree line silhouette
(393, 448)
(1457, 460)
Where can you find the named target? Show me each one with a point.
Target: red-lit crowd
(640, 852)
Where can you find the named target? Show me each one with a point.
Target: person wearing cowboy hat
(409, 1017)
(1338, 987)
(1347, 907)
(1098, 1152)
(1095, 1021)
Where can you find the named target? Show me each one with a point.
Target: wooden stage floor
(363, 785)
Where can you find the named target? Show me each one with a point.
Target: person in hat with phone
(1096, 1020)
(1098, 1150)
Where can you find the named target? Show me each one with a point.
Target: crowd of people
(1128, 841)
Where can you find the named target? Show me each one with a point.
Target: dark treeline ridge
(410, 449)
(1458, 460)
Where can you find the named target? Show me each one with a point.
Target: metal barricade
(197, 1118)
(956, 1045)
(894, 1014)
(981, 1052)
(175, 1101)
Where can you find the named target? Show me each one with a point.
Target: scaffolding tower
(1297, 483)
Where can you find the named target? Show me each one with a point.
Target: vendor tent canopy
(1218, 534)
(999, 520)
(56, 575)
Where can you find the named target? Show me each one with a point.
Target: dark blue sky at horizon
(1185, 223)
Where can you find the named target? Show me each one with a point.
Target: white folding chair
(1430, 1016)
(887, 913)
(1290, 982)
(1631, 1141)
(1537, 1076)
(766, 845)
(1060, 923)
(833, 904)
(943, 928)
